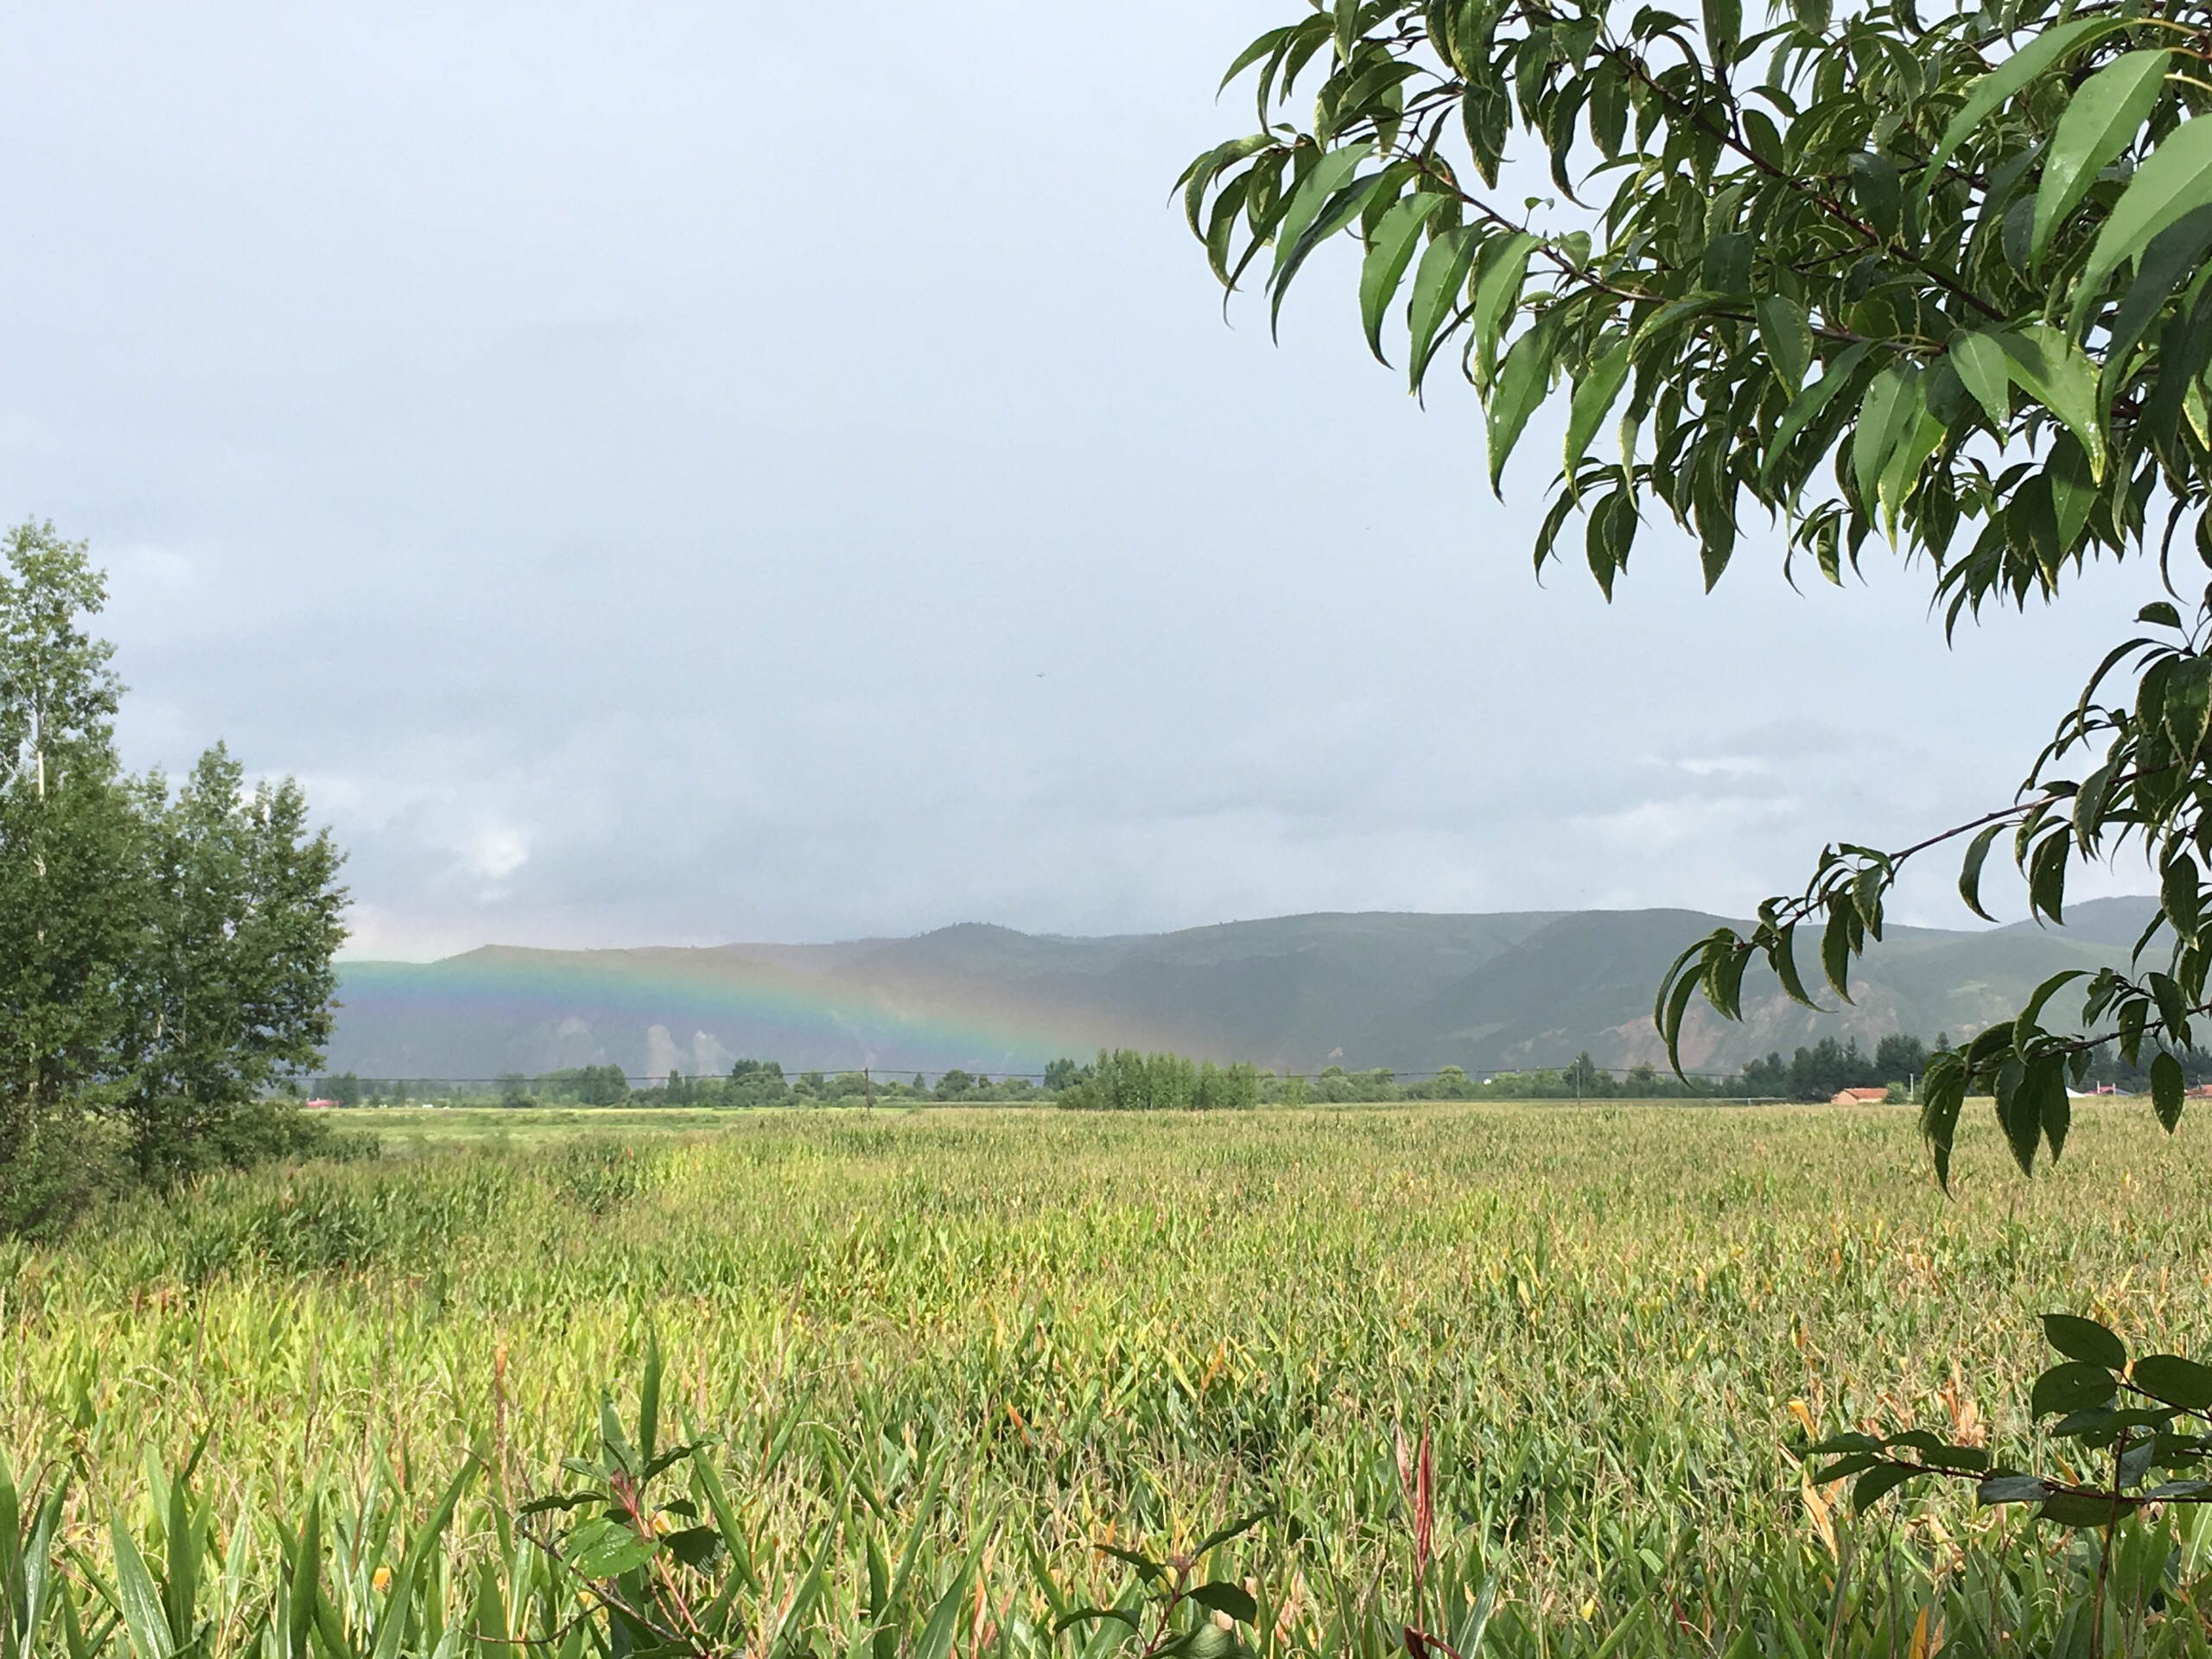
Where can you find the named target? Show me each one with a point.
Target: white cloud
(495, 851)
(1725, 765)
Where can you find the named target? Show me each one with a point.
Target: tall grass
(958, 1351)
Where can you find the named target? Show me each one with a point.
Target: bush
(599, 1176)
(53, 1166)
(1226, 1088)
(265, 1130)
(1126, 1081)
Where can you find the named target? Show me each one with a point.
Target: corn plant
(919, 1371)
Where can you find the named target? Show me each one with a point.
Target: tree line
(749, 1083)
(1127, 1080)
(1826, 1067)
(165, 945)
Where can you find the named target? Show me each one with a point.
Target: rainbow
(502, 1009)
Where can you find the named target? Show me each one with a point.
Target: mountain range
(1412, 992)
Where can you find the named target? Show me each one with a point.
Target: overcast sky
(681, 473)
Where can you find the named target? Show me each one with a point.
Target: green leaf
(1611, 533)
(307, 1580)
(2012, 1489)
(398, 1602)
(1788, 337)
(2085, 1340)
(1677, 991)
(1468, 1640)
(616, 1443)
(1970, 870)
(1226, 1598)
(2008, 78)
(1943, 1093)
(143, 1617)
(606, 1550)
(1877, 1484)
(649, 1400)
(2180, 891)
(1387, 255)
(2024, 1026)
(2184, 349)
(1981, 366)
(2174, 254)
(2086, 1510)
(1329, 175)
(1148, 1569)
(2073, 491)
(2106, 114)
(1202, 172)
(1810, 402)
(1890, 409)
(1339, 211)
(2070, 1388)
(2052, 367)
(1967, 1459)
(1723, 28)
(943, 1624)
(2019, 1114)
(2054, 1109)
(1781, 956)
(1264, 46)
(2175, 180)
(2047, 875)
(1497, 292)
(1901, 472)
(2167, 1089)
(1437, 282)
(696, 1546)
(1726, 266)
(1091, 1614)
(2176, 1381)
(1835, 949)
(1594, 395)
(37, 1563)
(1524, 380)
(789, 1641)
(1843, 1468)
(1880, 194)
(2173, 1007)
(2189, 704)
(185, 1547)
(1675, 312)
(1235, 1528)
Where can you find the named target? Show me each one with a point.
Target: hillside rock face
(1410, 992)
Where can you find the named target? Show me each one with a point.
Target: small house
(1858, 1096)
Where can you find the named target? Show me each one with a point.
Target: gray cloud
(701, 472)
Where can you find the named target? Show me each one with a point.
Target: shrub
(1126, 1081)
(599, 1176)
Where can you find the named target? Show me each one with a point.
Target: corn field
(990, 1384)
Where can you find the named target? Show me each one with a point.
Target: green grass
(1128, 1329)
(409, 1129)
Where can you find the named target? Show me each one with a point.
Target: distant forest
(1127, 1080)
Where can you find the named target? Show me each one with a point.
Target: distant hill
(1412, 992)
